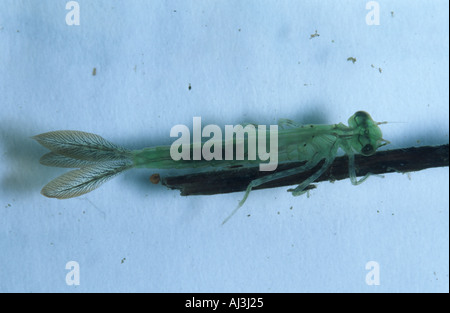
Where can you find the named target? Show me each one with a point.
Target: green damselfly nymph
(97, 160)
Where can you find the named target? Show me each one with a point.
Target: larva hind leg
(259, 181)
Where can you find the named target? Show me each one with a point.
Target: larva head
(367, 135)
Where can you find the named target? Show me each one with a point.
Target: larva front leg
(352, 171)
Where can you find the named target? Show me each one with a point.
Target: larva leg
(259, 181)
(352, 171)
(300, 189)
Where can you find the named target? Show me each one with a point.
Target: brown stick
(225, 181)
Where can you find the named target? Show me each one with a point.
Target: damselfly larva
(98, 160)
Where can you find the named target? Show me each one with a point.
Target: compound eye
(361, 114)
(361, 118)
(367, 149)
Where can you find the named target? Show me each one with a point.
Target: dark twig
(225, 181)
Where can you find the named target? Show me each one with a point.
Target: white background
(246, 61)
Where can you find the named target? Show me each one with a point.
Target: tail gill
(97, 160)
